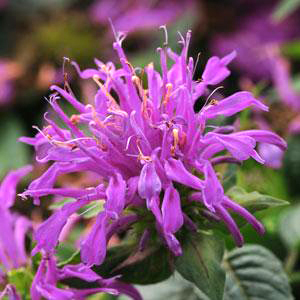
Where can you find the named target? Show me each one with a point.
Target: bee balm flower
(146, 145)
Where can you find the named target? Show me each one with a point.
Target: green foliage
(174, 288)
(253, 272)
(254, 201)
(201, 263)
(289, 228)
(255, 177)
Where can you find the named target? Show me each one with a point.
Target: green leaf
(285, 8)
(201, 264)
(21, 278)
(254, 201)
(253, 272)
(289, 228)
(174, 288)
(150, 266)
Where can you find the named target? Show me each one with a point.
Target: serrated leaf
(253, 272)
(201, 264)
(174, 288)
(254, 201)
(289, 227)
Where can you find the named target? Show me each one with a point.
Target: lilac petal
(8, 186)
(171, 210)
(154, 206)
(126, 289)
(93, 248)
(176, 171)
(34, 292)
(22, 225)
(80, 271)
(240, 146)
(232, 227)
(149, 183)
(173, 244)
(228, 58)
(212, 191)
(119, 225)
(7, 243)
(115, 193)
(271, 154)
(51, 292)
(228, 203)
(48, 232)
(73, 101)
(264, 136)
(215, 70)
(232, 104)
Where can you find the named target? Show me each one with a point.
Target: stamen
(141, 156)
(176, 140)
(164, 28)
(169, 87)
(136, 80)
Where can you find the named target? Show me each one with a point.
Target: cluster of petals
(142, 144)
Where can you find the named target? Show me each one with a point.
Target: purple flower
(44, 284)
(257, 40)
(133, 15)
(14, 227)
(141, 142)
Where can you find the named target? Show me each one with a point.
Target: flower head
(146, 145)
